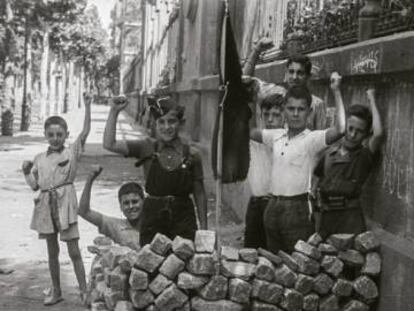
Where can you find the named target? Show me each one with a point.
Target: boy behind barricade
(56, 208)
(173, 172)
(271, 115)
(294, 156)
(122, 231)
(344, 168)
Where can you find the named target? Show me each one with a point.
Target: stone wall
(337, 274)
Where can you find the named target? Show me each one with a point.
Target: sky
(104, 9)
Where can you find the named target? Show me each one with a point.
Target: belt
(260, 198)
(298, 197)
(335, 203)
(56, 187)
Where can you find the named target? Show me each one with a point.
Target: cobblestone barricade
(340, 273)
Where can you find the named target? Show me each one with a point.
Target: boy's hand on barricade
(96, 170)
(27, 167)
(335, 81)
(119, 102)
(87, 99)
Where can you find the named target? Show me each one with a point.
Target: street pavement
(21, 252)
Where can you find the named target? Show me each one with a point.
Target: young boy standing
(53, 173)
(173, 171)
(122, 231)
(294, 156)
(271, 116)
(344, 168)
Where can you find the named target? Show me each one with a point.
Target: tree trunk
(44, 68)
(27, 82)
(7, 100)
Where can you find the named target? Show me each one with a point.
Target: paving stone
(151, 308)
(102, 240)
(189, 281)
(262, 306)
(366, 288)
(99, 306)
(292, 300)
(332, 265)
(199, 304)
(342, 288)
(99, 277)
(171, 299)
(97, 250)
(285, 276)
(112, 297)
(205, 241)
(355, 305)
(161, 244)
(185, 307)
(124, 305)
(148, 260)
(249, 255)
(306, 264)
(202, 264)
(289, 261)
(118, 281)
(138, 279)
(341, 241)
(308, 250)
(107, 274)
(97, 267)
(310, 302)
(322, 284)
(372, 265)
(215, 289)
(304, 284)
(172, 266)
(239, 291)
(127, 261)
(315, 239)
(366, 242)
(351, 257)
(112, 256)
(274, 259)
(264, 270)
(183, 248)
(237, 269)
(98, 293)
(266, 291)
(327, 249)
(229, 253)
(141, 299)
(159, 283)
(329, 303)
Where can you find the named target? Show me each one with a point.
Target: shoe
(52, 300)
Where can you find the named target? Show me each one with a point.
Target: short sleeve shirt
(120, 231)
(141, 149)
(293, 159)
(50, 171)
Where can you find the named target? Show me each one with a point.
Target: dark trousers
(254, 234)
(286, 221)
(340, 221)
(169, 217)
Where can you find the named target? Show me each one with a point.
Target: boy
(122, 231)
(173, 171)
(344, 168)
(295, 151)
(53, 173)
(271, 115)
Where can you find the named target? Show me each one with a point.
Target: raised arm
(262, 45)
(84, 204)
(338, 130)
(375, 140)
(256, 135)
(87, 99)
(109, 141)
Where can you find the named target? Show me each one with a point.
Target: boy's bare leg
(76, 257)
(54, 268)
